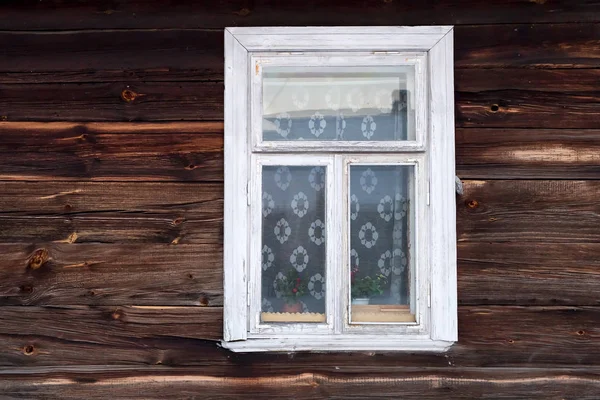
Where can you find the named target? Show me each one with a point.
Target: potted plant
(362, 289)
(292, 288)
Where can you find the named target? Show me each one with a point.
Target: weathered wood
(489, 336)
(155, 101)
(488, 153)
(524, 98)
(188, 201)
(484, 98)
(404, 383)
(111, 151)
(528, 274)
(121, 14)
(531, 211)
(146, 274)
(82, 212)
(113, 228)
(171, 275)
(193, 151)
(114, 55)
(137, 57)
(538, 46)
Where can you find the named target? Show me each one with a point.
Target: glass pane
(338, 103)
(293, 244)
(380, 226)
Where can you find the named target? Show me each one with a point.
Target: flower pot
(360, 301)
(292, 308)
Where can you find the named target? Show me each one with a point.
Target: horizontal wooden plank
(178, 151)
(528, 274)
(81, 212)
(120, 14)
(115, 55)
(500, 336)
(140, 56)
(537, 46)
(529, 211)
(193, 151)
(176, 275)
(405, 383)
(183, 200)
(155, 101)
(497, 153)
(524, 98)
(494, 97)
(98, 274)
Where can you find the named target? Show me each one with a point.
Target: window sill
(339, 343)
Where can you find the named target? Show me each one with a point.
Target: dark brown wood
(114, 55)
(131, 212)
(529, 46)
(490, 336)
(136, 57)
(98, 274)
(193, 151)
(484, 98)
(529, 211)
(185, 201)
(142, 101)
(188, 151)
(488, 153)
(121, 14)
(405, 383)
(107, 274)
(528, 274)
(523, 98)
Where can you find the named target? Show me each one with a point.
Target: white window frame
(430, 49)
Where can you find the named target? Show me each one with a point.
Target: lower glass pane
(293, 244)
(380, 236)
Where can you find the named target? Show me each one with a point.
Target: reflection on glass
(338, 103)
(293, 244)
(380, 224)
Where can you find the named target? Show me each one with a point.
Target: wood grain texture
(527, 46)
(155, 101)
(489, 153)
(494, 97)
(99, 274)
(524, 98)
(141, 56)
(193, 151)
(405, 383)
(175, 275)
(111, 151)
(121, 14)
(529, 211)
(81, 212)
(499, 336)
(528, 274)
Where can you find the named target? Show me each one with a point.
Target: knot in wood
(28, 350)
(495, 108)
(117, 314)
(128, 95)
(26, 289)
(203, 301)
(39, 258)
(472, 203)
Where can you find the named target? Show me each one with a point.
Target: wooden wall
(111, 204)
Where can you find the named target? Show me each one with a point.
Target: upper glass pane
(293, 244)
(367, 103)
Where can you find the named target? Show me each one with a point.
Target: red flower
(294, 290)
(298, 280)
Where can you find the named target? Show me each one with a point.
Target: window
(340, 229)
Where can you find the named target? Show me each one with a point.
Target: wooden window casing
(431, 154)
